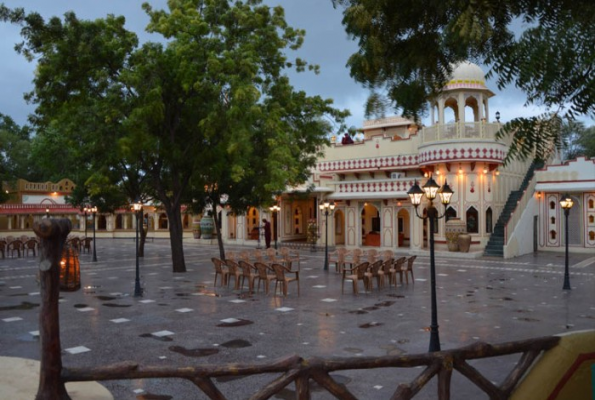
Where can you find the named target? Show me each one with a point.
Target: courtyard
(183, 320)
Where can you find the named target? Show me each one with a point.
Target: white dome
(468, 71)
(466, 75)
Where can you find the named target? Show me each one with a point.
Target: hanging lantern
(70, 271)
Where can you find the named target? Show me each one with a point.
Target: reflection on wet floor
(236, 344)
(25, 305)
(79, 305)
(193, 352)
(371, 324)
(105, 298)
(160, 338)
(239, 322)
(151, 396)
(116, 305)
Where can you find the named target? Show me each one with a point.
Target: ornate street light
(430, 190)
(47, 212)
(275, 210)
(93, 210)
(138, 209)
(566, 203)
(326, 208)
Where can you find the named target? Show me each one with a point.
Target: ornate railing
(460, 130)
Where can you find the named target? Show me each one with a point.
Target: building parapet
(460, 130)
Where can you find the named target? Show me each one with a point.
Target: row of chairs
(380, 271)
(261, 272)
(269, 256)
(342, 257)
(22, 246)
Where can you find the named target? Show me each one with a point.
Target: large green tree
(16, 160)
(208, 107)
(407, 50)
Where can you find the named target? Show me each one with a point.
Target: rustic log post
(52, 234)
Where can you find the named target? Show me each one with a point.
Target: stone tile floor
(182, 320)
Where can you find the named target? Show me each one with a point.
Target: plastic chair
(281, 277)
(263, 275)
(356, 274)
(220, 269)
(248, 272)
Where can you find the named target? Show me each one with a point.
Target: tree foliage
(208, 110)
(407, 50)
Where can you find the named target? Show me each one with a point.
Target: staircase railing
(517, 213)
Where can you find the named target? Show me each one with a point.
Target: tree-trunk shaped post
(52, 233)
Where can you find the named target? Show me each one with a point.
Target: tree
(15, 154)
(210, 107)
(409, 48)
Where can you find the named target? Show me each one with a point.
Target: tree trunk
(218, 233)
(176, 232)
(52, 234)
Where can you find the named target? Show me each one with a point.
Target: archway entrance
(339, 227)
(370, 224)
(403, 228)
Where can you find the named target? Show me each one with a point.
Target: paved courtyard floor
(182, 320)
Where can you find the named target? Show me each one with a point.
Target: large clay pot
(464, 242)
(196, 231)
(207, 227)
(454, 227)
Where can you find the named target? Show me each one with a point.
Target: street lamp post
(47, 212)
(566, 203)
(430, 189)
(326, 208)
(85, 211)
(275, 210)
(138, 291)
(93, 210)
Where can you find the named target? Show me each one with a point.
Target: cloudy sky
(326, 44)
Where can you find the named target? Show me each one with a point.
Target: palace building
(507, 210)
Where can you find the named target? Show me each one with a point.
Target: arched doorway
(252, 224)
(575, 223)
(403, 228)
(370, 225)
(339, 227)
(163, 221)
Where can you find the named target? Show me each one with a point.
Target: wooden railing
(294, 369)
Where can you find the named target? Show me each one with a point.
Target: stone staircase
(495, 246)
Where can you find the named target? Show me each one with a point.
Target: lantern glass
(415, 194)
(445, 193)
(332, 206)
(431, 188)
(70, 272)
(566, 202)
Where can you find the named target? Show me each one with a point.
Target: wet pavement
(182, 320)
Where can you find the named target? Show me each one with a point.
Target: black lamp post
(326, 208)
(498, 116)
(566, 203)
(138, 291)
(431, 189)
(47, 212)
(85, 211)
(94, 213)
(275, 210)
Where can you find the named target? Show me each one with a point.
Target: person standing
(267, 232)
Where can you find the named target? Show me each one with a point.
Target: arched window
(591, 219)
(553, 235)
(489, 220)
(591, 203)
(591, 235)
(552, 220)
(472, 220)
(552, 205)
(162, 221)
(450, 213)
(119, 220)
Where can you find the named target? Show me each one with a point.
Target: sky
(326, 44)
